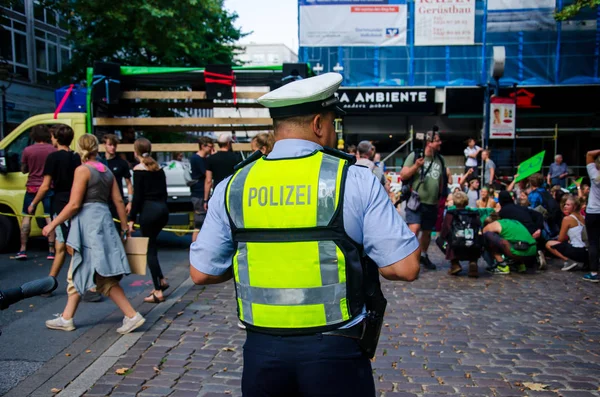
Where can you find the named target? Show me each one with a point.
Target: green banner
(574, 185)
(530, 166)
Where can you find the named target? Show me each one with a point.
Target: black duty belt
(354, 332)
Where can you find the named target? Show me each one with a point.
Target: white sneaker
(130, 324)
(60, 324)
(542, 260)
(240, 325)
(569, 266)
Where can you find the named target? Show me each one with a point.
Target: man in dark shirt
(120, 169)
(198, 171)
(220, 165)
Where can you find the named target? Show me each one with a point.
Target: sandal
(164, 287)
(152, 298)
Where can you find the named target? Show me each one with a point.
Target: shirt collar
(293, 148)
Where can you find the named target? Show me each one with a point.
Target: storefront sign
(451, 22)
(531, 100)
(387, 100)
(502, 118)
(375, 23)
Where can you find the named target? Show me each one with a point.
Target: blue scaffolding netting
(539, 51)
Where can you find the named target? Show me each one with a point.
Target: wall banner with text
(374, 23)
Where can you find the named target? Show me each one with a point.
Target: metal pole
(396, 151)
(554, 129)
(555, 140)
(412, 132)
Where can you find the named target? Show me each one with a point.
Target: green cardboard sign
(530, 166)
(574, 185)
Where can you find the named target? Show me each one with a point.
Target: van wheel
(8, 233)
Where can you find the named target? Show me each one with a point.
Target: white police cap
(304, 97)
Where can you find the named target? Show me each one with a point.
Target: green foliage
(570, 11)
(148, 32)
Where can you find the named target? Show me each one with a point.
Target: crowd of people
(511, 227)
(86, 208)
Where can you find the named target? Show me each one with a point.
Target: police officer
(292, 229)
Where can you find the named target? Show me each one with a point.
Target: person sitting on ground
(507, 238)
(485, 199)
(570, 246)
(540, 200)
(473, 192)
(532, 220)
(461, 233)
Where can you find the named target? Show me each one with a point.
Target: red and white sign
(352, 23)
(444, 22)
(502, 118)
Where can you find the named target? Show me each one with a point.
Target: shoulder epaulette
(250, 159)
(339, 154)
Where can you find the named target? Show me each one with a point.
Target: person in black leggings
(150, 202)
(592, 216)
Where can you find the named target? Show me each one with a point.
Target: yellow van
(12, 180)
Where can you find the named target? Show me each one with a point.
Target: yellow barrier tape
(179, 232)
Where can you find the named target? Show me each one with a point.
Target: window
(49, 55)
(14, 151)
(44, 15)
(14, 46)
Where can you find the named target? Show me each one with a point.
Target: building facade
(34, 48)
(266, 54)
(423, 62)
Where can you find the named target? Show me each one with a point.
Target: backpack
(465, 231)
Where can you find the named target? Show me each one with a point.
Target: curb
(98, 368)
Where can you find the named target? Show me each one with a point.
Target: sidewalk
(492, 336)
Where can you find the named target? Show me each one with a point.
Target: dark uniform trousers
(305, 366)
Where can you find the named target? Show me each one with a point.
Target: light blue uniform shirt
(370, 219)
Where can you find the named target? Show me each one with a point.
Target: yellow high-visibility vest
(295, 269)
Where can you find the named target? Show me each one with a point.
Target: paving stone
(100, 390)
(480, 337)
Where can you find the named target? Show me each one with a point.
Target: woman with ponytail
(150, 202)
(98, 256)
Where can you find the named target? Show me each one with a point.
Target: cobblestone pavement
(493, 336)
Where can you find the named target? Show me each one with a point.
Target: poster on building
(375, 23)
(520, 15)
(448, 23)
(502, 118)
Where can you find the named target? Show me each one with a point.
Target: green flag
(530, 166)
(574, 185)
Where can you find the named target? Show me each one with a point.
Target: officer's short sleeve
(371, 220)
(410, 160)
(213, 250)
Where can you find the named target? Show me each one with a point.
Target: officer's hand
(420, 162)
(205, 206)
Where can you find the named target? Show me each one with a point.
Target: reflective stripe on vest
(295, 284)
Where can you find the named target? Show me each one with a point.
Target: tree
(571, 10)
(148, 32)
